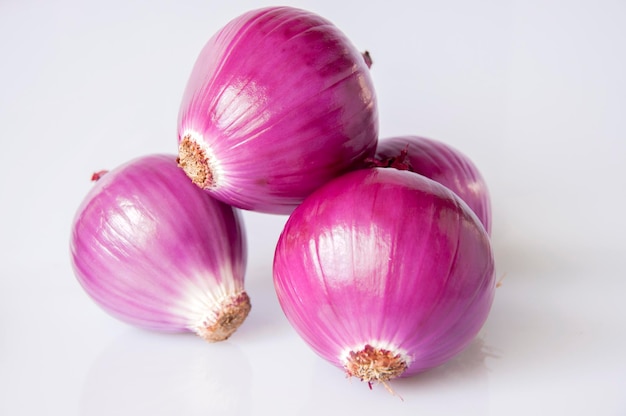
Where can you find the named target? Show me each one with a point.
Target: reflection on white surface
(144, 373)
(460, 386)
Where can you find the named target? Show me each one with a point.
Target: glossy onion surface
(387, 259)
(444, 164)
(278, 102)
(155, 251)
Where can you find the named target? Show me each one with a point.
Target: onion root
(228, 316)
(194, 161)
(375, 364)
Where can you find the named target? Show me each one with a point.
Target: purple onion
(384, 273)
(442, 163)
(155, 251)
(278, 103)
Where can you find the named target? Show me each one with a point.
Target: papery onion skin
(383, 262)
(155, 251)
(444, 164)
(278, 102)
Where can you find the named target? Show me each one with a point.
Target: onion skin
(387, 264)
(155, 251)
(444, 164)
(278, 103)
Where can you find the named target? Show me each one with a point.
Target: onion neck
(224, 320)
(96, 176)
(400, 162)
(372, 364)
(367, 58)
(193, 159)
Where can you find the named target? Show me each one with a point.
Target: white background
(533, 91)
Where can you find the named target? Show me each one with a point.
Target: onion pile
(384, 266)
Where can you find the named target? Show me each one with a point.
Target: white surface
(534, 92)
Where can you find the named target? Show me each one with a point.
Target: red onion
(155, 251)
(442, 163)
(278, 103)
(384, 273)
